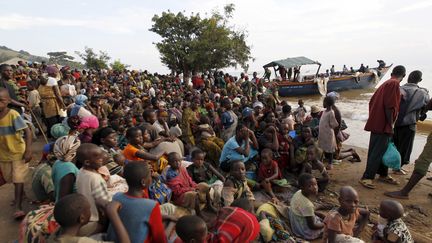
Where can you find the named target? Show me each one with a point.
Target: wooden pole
(39, 126)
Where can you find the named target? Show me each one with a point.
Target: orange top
(130, 151)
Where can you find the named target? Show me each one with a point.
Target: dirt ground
(418, 208)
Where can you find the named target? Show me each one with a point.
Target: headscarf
(89, 122)
(65, 148)
(247, 112)
(80, 99)
(59, 130)
(258, 104)
(52, 69)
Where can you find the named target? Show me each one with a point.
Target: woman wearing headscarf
(51, 102)
(78, 109)
(88, 126)
(64, 170)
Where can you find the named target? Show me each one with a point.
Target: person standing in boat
(282, 72)
(296, 73)
(381, 64)
(345, 69)
(383, 111)
(412, 107)
(332, 70)
(362, 68)
(290, 70)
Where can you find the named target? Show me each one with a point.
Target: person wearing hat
(229, 120)
(248, 119)
(42, 184)
(258, 108)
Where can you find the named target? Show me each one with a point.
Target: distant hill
(7, 53)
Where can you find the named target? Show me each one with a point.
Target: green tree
(93, 60)
(118, 66)
(192, 43)
(59, 56)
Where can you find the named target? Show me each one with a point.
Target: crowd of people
(132, 156)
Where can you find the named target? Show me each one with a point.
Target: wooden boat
(318, 84)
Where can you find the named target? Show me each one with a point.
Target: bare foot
(396, 194)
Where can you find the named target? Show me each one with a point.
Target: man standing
(6, 72)
(420, 169)
(413, 102)
(383, 111)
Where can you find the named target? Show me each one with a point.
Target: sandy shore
(418, 207)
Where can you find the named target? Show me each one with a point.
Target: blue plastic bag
(392, 158)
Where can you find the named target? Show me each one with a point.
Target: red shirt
(197, 82)
(387, 96)
(266, 171)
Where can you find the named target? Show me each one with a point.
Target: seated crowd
(139, 157)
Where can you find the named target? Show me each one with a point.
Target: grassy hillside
(7, 53)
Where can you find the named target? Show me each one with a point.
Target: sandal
(389, 180)
(336, 162)
(399, 172)
(368, 183)
(18, 215)
(356, 157)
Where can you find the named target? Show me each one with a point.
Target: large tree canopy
(192, 43)
(93, 60)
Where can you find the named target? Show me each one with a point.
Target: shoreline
(418, 208)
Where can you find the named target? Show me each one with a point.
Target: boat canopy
(292, 62)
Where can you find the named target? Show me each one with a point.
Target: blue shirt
(141, 217)
(229, 152)
(59, 170)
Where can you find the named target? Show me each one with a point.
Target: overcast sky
(332, 32)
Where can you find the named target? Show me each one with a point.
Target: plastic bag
(392, 158)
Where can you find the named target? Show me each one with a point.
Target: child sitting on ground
(391, 227)
(305, 222)
(73, 211)
(315, 167)
(137, 211)
(269, 173)
(236, 186)
(347, 221)
(184, 190)
(201, 171)
(91, 184)
(135, 152)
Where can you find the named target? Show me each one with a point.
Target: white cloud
(414, 6)
(125, 21)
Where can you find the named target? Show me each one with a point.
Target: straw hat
(315, 109)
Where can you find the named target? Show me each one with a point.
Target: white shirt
(52, 81)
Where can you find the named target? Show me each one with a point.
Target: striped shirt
(12, 144)
(93, 187)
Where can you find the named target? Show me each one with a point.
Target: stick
(39, 126)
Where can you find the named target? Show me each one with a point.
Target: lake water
(354, 108)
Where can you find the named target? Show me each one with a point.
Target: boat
(322, 83)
